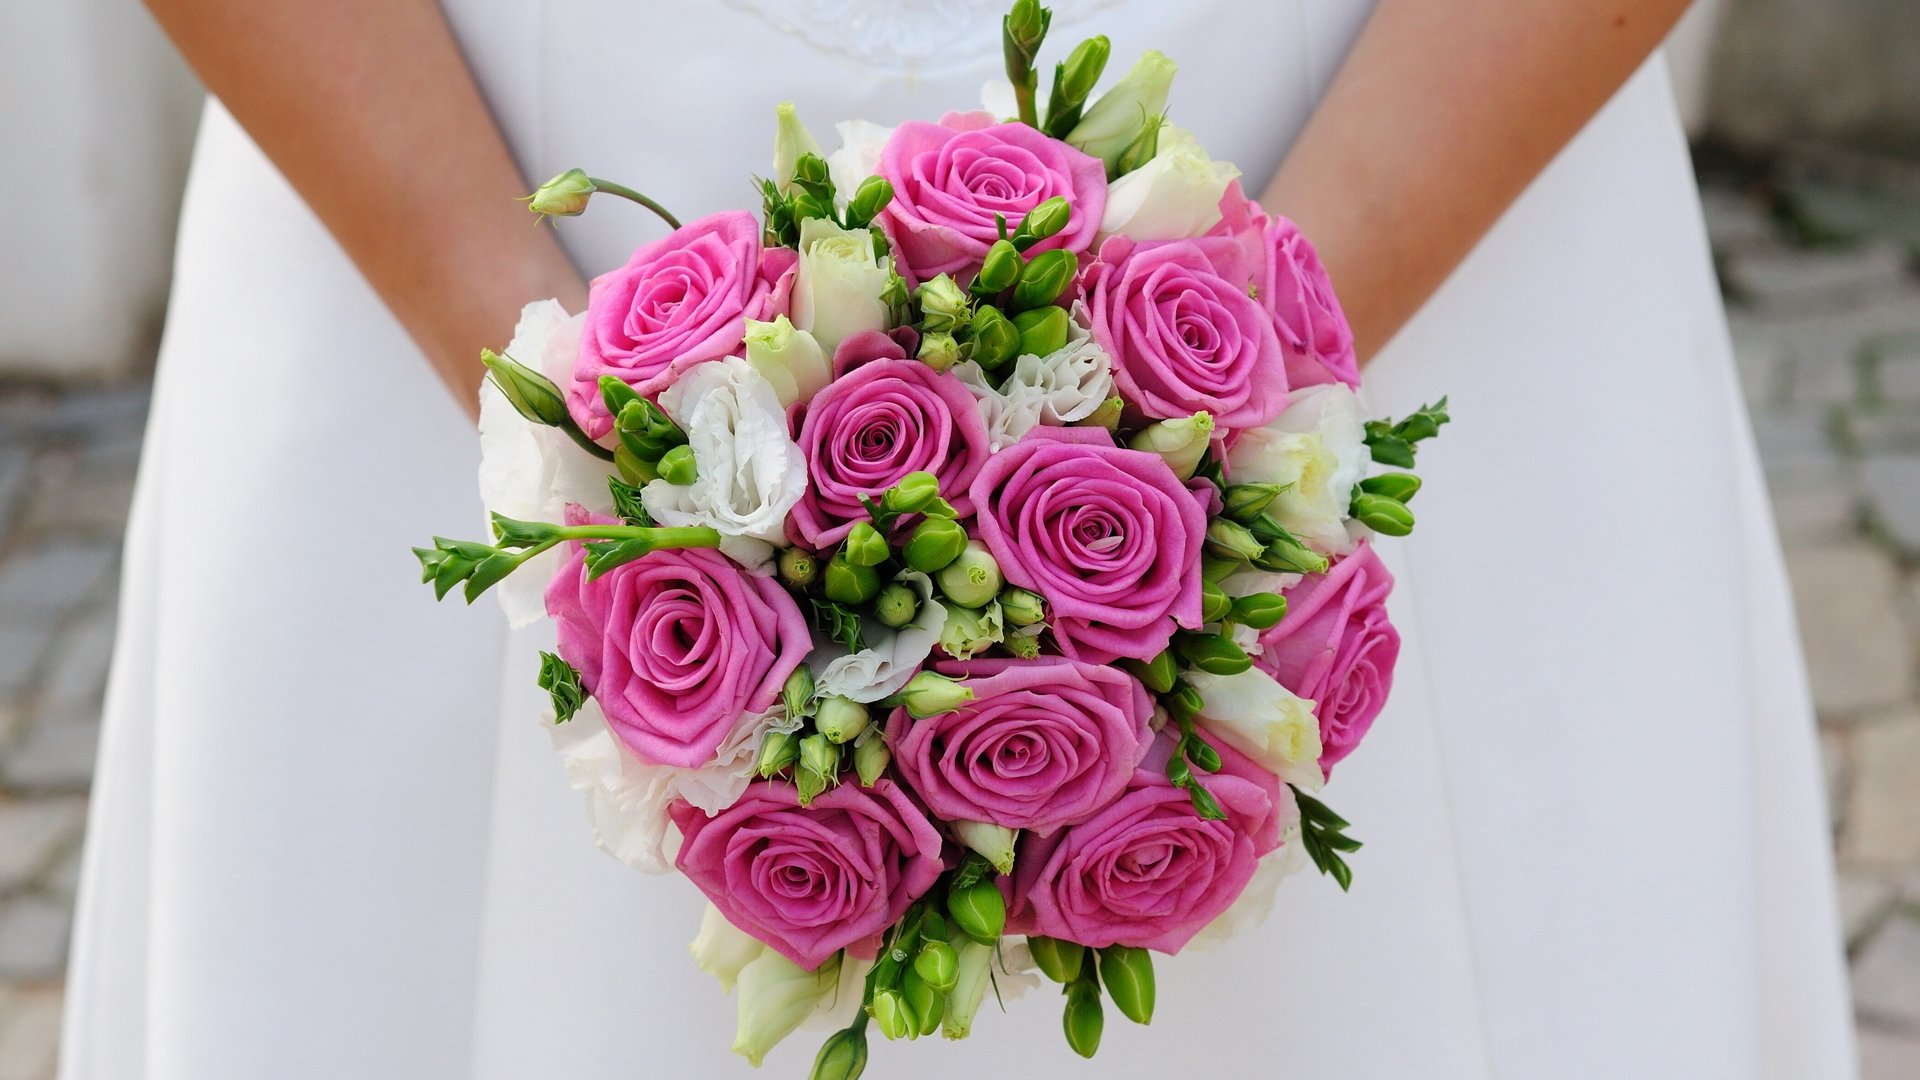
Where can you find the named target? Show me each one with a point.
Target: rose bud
(1232, 540)
(789, 358)
(968, 631)
(1056, 958)
(1023, 645)
(935, 543)
(797, 695)
(973, 578)
(1108, 415)
(840, 720)
(1127, 973)
(896, 605)
(979, 910)
(1043, 331)
(565, 195)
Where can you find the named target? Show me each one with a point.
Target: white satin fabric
(327, 843)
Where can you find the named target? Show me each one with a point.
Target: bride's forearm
(369, 110)
(1442, 115)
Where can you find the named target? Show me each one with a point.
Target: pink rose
(873, 426)
(1183, 332)
(1110, 537)
(1148, 870)
(1313, 329)
(1043, 743)
(680, 301)
(811, 881)
(949, 183)
(675, 646)
(1337, 648)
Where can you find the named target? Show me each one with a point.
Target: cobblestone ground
(1828, 341)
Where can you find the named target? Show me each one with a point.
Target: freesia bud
(1157, 674)
(810, 171)
(842, 1057)
(938, 964)
(1286, 555)
(844, 582)
(778, 749)
(979, 910)
(999, 270)
(873, 195)
(890, 1014)
(1044, 220)
(677, 466)
(896, 605)
(944, 307)
(939, 350)
(722, 949)
(993, 843)
(840, 719)
(1245, 502)
(1021, 607)
(973, 578)
(914, 493)
(1127, 973)
(798, 567)
(925, 1005)
(1214, 654)
(1232, 540)
(930, 694)
(1144, 147)
(1045, 277)
(935, 544)
(994, 337)
(1181, 443)
(789, 358)
(1399, 486)
(864, 546)
(1056, 958)
(973, 975)
(1024, 28)
(1114, 122)
(1260, 611)
(776, 994)
(1043, 331)
(531, 394)
(1073, 83)
(1384, 515)
(871, 758)
(1084, 1019)
(1214, 602)
(565, 195)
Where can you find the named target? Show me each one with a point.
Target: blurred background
(1805, 122)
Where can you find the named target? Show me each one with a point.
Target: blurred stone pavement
(1826, 326)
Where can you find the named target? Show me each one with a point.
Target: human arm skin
(1441, 116)
(369, 110)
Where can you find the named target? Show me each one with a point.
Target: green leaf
(626, 503)
(604, 555)
(1204, 803)
(561, 681)
(1322, 833)
(838, 622)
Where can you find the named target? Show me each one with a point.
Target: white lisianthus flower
(722, 949)
(1255, 715)
(1112, 123)
(748, 471)
(1174, 195)
(891, 656)
(776, 994)
(1062, 387)
(628, 798)
(1255, 902)
(837, 289)
(1318, 448)
(858, 157)
(790, 359)
(791, 142)
(529, 471)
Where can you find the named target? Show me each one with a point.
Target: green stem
(573, 432)
(626, 192)
(1023, 94)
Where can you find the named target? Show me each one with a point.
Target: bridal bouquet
(962, 569)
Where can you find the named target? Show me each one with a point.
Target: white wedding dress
(330, 839)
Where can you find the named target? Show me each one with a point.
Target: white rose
(529, 471)
(789, 359)
(891, 656)
(837, 289)
(748, 472)
(1060, 388)
(1255, 715)
(858, 156)
(1174, 195)
(1318, 447)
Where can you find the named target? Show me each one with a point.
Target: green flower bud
(925, 1003)
(864, 546)
(1157, 674)
(1022, 31)
(1084, 1019)
(842, 1057)
(890, 1014)
(1214, 602)
(1144, 147)
(968, 631)
(912, 494)
(871, 757)
(1232, 540)
(616, 394)
(999, 271)
(846, 583)
(1245, 502)
(677, 466)
(1108, 415)
(1185, 700)
(1202, 754)
(1043, 331)
(820, 754)
(1400, 486)
(531, 394)
(1044, 220)
(944, 306)
(778, 749)
(565, 195)
(1022, 608)
(871, 197)
(978, 910)
(935, 544)
(791, 143)
(995, 339)
(1082, 70)
(1046, 276)
(930, 694)
(1259, 611)
(993, 843)
(1286, 555)
(1127, 973)
(973, 578)
(797, 694)
(938, 964)
(1023, 646)
(970, 987)
(1384, 515)
(1056, 958)
(840, 719)
(896, 605)
(1181, 442)
(798, 567)
(1215, 654)
(810, 170)
(939, 350)
(1114, 123)
(809, 785)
